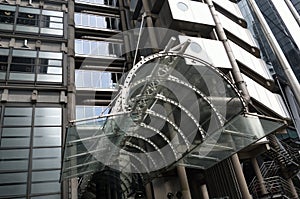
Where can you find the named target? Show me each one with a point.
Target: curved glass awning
(171, 109)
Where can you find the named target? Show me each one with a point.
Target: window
(96, 21)
(113, 3)
(98, 48)
(29, 65)
(95, 79)
(21, 124)
(31, 20)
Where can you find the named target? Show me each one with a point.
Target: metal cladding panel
(240, 32)
(211, 51)
(230, 7)
(271, 100)
(246, 58)
(191, 11)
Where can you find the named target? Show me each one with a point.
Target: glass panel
(47, 116)
(50, 55)
(13, 165)
(15, 142)
(17, 116)
(48, 136)
(14, 154)
(19, 132)
(46, 158)
(6, 7)
(57, 196)
(13, 178)
(51, 31)
(20, 76)
(45, 175)
(48, 187)
(24, 53)
(12, 190)
(21, 28)
(49, 78)
(53, 13)
(29, 10)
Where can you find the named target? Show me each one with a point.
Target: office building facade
(62, 60)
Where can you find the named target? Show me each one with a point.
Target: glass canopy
(171, 109)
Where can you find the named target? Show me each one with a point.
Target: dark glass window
(28, 19)
(7, 16)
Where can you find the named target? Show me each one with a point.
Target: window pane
(48, 187)
(15, 142)
(19, 132)
(12, 190)
(14, 154)
(24, 53)
(45, 175)
(49, 136)
(47, 116)
(50, 55)
(49, 78)
(13, 178)
(13, 165)
(57, 196)
(46, 158)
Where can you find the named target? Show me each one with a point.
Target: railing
(274, 186)
(269, 168)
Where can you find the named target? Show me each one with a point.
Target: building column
(292, 188)
(184, 182)
(240, 177)
(148, 188)
(204, 191)
(259, 176)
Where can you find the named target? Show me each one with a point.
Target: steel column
(259, 176)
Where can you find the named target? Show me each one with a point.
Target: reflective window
(48, 187)
(113, 3)
(31, 20)
(47, 116)
(7, 17)
(45, 176)
(47, 136)
(98, 48)
(90, 111)
(17, 116)
(95, 79)
(13, 177)
(96, 21)
(46, 158)
(29, 65)
(12, 190)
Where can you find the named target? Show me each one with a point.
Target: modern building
(62, 61)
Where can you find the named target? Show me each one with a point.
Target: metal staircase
(285, 158)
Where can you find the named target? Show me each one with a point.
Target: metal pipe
(278, 51)
(293, 11)
(293, 189)
(259, 176)
(152, 34)
(236, 73)
(148, 188)
(240, 177)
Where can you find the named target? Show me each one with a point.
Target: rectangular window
(10, 190)
(7, 17)
(47, 116)
(17, 116)
(47, 136)
(97, 21)
(48, 187)
(39, 176)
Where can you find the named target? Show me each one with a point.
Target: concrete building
(62, 61)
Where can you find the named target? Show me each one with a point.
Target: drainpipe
(125, 34)
(71, 80)
(277, 50)
(237, 75)
(152, 35)
(293, 11)
(184, 182)
(241, 84)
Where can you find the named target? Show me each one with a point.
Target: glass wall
(30, 151)
(112, 3)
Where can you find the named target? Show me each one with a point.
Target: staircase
(288, 160)
(285, 158)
